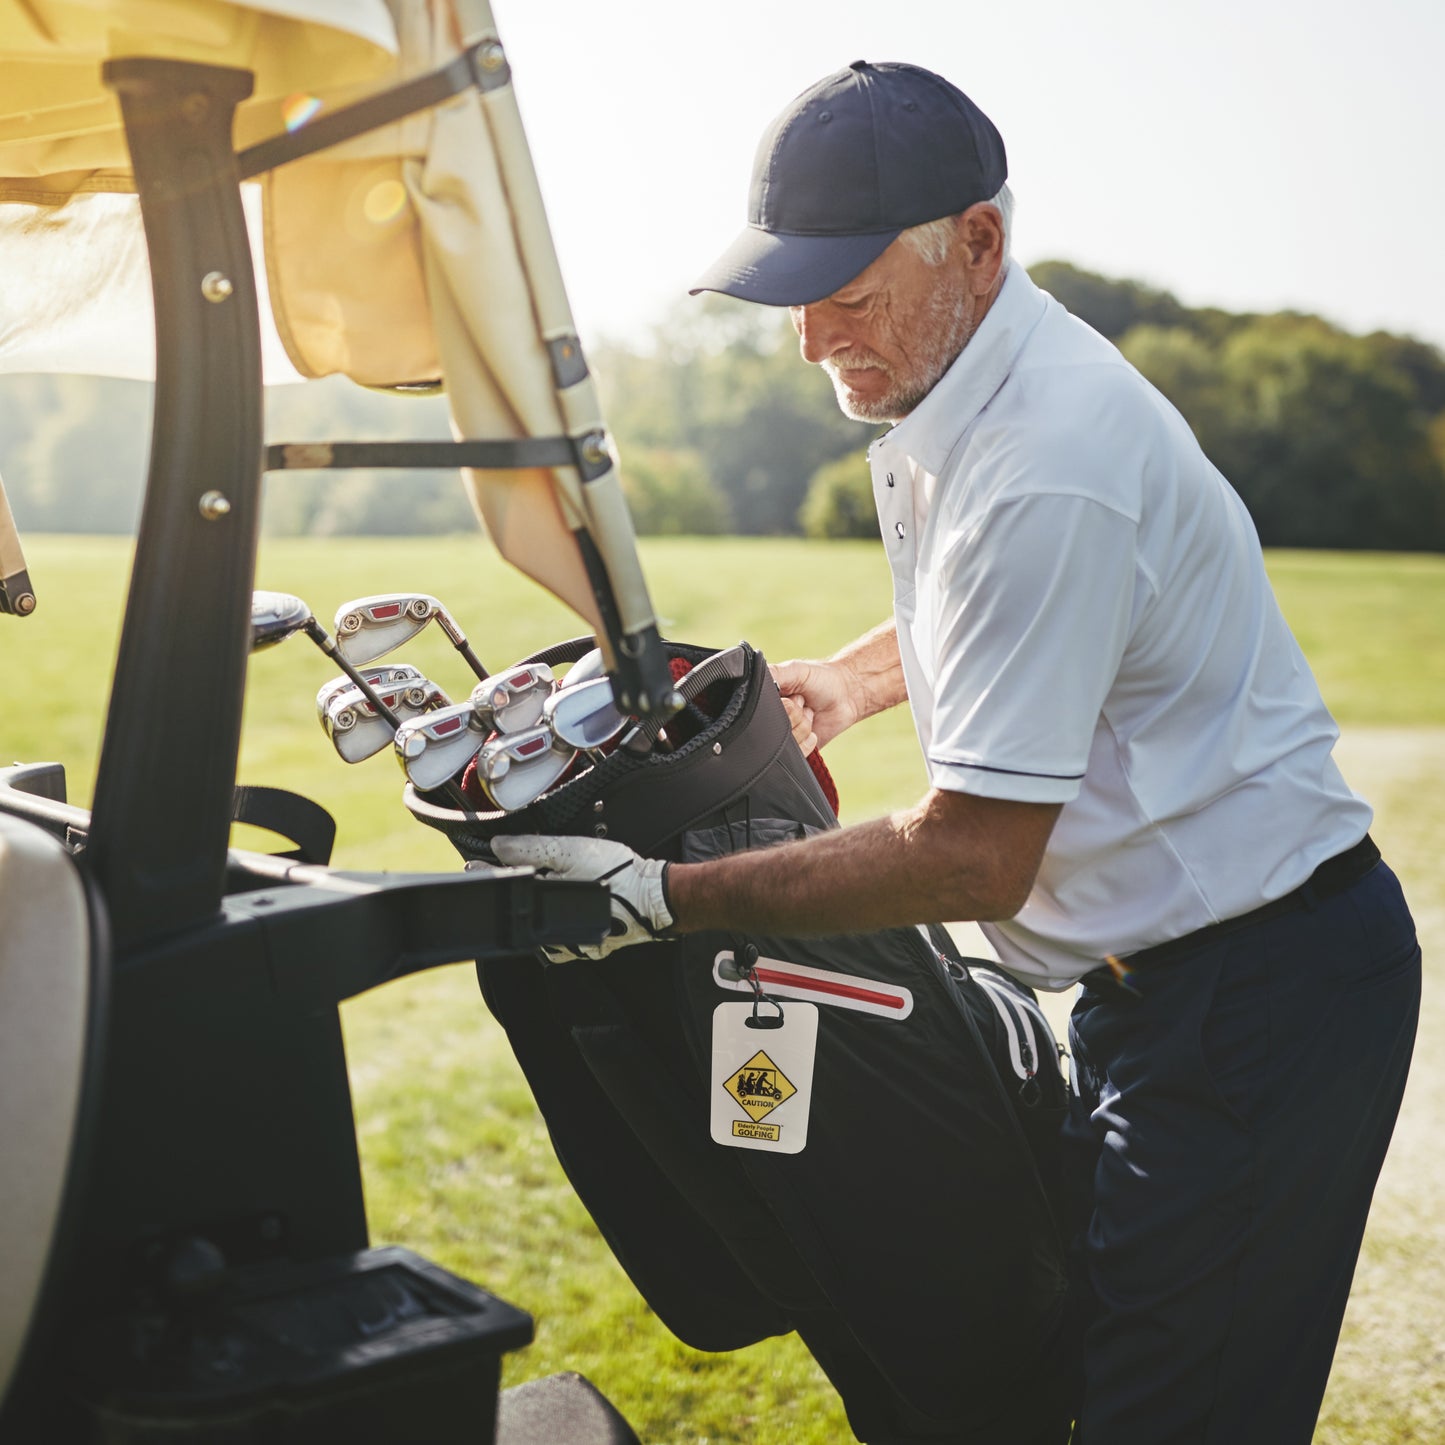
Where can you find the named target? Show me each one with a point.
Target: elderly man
(1131, 783)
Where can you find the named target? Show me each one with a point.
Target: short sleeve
(1031, 615)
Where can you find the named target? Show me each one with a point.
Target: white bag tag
(762, 1071)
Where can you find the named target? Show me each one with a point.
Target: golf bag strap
(308, 825)
(561, 652)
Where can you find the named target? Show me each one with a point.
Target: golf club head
(436, 747)
(358, 732)
(515, 769)
(370, 627)
(588, 666)
(275, 616)
(584, 716)
(380, 675)
(512, 701)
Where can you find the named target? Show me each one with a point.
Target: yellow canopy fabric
(416, 251)
(60, 128)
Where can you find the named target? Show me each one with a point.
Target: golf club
(515, 769)
(275, 616)
(370, 627)
(355, 729)
(588, 666)
(584, 716)
(380, 675)
(511, 701)
(435, 748)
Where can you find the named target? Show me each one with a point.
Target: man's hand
(640, 909)
(824, 699)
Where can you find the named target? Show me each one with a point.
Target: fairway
(457, 1164)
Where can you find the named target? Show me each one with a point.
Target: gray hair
(932, 239)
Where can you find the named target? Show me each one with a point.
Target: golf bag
(911, 1243)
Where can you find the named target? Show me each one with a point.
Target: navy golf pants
(1228, 1126)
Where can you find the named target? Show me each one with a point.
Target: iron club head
(357, 731)
(380, 675)
(515, 769)
(370, 627)
(435, 748)
(513, 700)
(585, 715)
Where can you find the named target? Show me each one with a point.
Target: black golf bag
(912, 1242)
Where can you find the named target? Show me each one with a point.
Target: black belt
(1333, 876)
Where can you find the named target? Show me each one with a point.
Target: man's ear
(979, 233)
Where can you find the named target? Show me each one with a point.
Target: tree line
(1332, 439)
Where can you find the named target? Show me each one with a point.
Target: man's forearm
(875, 661)
(927, 864)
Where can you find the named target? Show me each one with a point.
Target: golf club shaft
(318, 634)
(470, 658)
(459, 641)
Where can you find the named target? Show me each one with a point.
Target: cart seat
(48, 1026)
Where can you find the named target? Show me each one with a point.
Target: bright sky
(1250, 154)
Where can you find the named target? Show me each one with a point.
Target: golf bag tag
(762, 1074)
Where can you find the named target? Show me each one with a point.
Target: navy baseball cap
(852, 162)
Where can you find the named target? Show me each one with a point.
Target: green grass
(1373, 627)
(456, 1161)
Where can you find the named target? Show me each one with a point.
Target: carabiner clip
(749, 971)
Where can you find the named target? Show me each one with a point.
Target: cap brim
(775, 269)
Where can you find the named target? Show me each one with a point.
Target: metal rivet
(214, 505)
(598, 806)
(25, 604)
(594, 449)
(890, 479)
(216, 287)
(492, 57)
(717, 747)
(898, 527)
(824, 116)
(600, 830)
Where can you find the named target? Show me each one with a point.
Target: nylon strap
(480, 66)
(485, 456)
(308, 825)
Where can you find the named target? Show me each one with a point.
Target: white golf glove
(640, 911)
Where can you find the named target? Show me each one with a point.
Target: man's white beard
(946, 325)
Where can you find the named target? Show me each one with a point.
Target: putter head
(358, 732)
(436, 747)
(512, 701)
(370, 627)
(515, 769)
(585, 715)
(381, 676)
(275, 616)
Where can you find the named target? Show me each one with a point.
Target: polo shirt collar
(932, 429)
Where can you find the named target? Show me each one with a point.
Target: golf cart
(184, 1252)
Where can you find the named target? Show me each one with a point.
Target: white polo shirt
(1085, 619)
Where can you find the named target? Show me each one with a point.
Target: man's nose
(818, 337)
